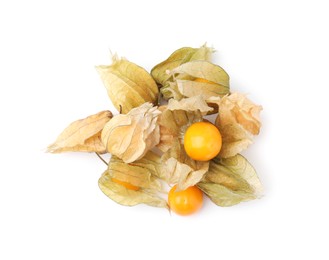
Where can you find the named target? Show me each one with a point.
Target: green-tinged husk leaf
(196, 78)
(142, 174)
(152, 162)
(230, 181)
(126, 197)
(83, 135)
(190, 88)
(180, 56)
(180, 169)
(135, 174)
(204, 70)
(130, 136)
(128, 85)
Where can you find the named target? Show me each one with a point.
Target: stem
(159, 98)
(100, 157)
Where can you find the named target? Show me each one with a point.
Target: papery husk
(238, 121)
(181, 169)
(196, 78)
(152, 162)
(231, 181)
(177, 117)
(191, 88)
(128, 85)
(170, 91)
(131, 136)
(180, 56)
(213, 102)
(142, 174)
(205, 70)
(234, 140)
(237, 108)
(194, 103)
(83, 135)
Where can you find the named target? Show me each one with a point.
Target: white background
(51, 206)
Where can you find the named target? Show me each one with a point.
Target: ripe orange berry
(203, 80)
(185, 202)
(125, 184)
(202, 141)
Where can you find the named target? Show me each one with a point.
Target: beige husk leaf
(194, 103)
(180, 56)
(128, 85)
(238, 121)
(131, 136)
(83, 135)
(181, 169)
(177, 116)
(142, 174)
(234, 140)
(231, 181)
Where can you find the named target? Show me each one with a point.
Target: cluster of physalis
(173, 146)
